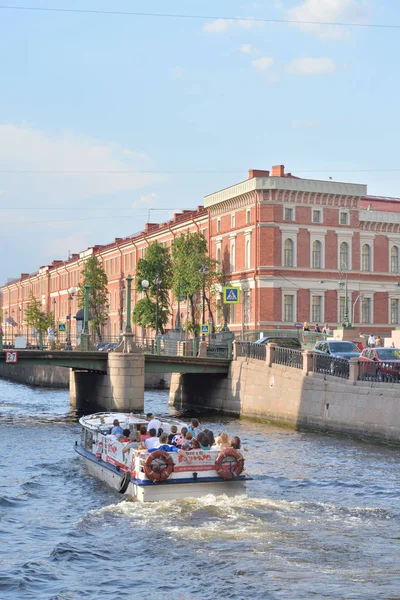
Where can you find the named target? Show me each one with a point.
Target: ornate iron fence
(329, 365)
(289, 357)
(386, 372)
(251, 350)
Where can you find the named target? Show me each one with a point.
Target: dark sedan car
(337, 349)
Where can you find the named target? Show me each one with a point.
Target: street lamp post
(157, 282)
(145, 286)
(12, 328)
(204, 272)
(128, 326)
(85, 332)
(178, 325)
(71, 293)
(344, 284)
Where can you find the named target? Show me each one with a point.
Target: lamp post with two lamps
(343, 283)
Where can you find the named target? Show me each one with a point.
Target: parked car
(283, 342)
(337, 349)
(381, 364)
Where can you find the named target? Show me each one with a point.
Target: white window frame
(289, 292)
(344, 212)
(371, 256)
(233, 220)
(371, 298)
(390, 298)
(321, 239)
(293, 209)
(248, 216)
(232, 256)
(247, 255)
(219, 225)
(348, 239)
(317, 294)
(292, 234)
(391, 246)
(321, 213)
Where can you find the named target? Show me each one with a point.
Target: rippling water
(322, 519)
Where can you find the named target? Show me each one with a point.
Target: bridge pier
(120, 389)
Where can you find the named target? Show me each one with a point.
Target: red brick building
(289, 243)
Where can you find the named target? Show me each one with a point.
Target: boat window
(88, 440)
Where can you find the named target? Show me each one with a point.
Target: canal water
(322, 517)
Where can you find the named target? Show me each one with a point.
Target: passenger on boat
(179, 439)
(221, 442)
(127, 433)
(120, 438)
(205, 443)
(134, 441)
(195, 445)
(186, 447)
(195, 428)
(117, 429)
(235, 443)
(210, 436)
(163, 445)
(143, 433)
(154, 423)
(152, 441)
(174, 431)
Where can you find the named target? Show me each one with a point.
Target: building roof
(380, 203)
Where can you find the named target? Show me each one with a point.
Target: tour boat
(158, 475)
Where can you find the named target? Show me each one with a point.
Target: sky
(87, 100)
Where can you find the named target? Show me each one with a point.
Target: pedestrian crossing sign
(62, 328)
(205, 329)
(231, 295)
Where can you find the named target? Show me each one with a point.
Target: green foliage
(144, 314)
(189, 256)
(36, 317)
(155, 265)
(95, 276)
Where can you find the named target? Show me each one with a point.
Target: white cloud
(311, 66)
(248, 49)
(94, 169)
(146, 200)
(177, 72)
(329, 11)
(263, 63)
(218, 26)
(58, 247)
(224, 25)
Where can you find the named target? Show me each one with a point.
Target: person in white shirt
(371, 341)
(326, 330)
(152, 441)
(154, 423)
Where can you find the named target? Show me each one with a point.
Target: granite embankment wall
(59, 377)
(287, 395)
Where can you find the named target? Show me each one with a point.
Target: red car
(382, 364)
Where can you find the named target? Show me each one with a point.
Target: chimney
(24, 275)
(257, 173)
(200, 208)
(117, 240)
(278, 171)
(150, 226)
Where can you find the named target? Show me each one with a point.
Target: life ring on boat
(159, 465)
(124, 482)
(229, 463)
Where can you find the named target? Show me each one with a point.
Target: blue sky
(104, 93)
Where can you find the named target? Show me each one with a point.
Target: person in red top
(143, 433)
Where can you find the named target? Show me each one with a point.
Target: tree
(36, 317)
(156, 268)
(94, 276)
(189, 257)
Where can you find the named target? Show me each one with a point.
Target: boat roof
(105, 419)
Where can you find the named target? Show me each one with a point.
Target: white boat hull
(166, 491)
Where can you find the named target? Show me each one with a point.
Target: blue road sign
(205, 329)
(231, 295)
(62, 328)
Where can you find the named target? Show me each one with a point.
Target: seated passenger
(205, 443)
(210, 436)
(189, 438)
(186, 446)
(152, 441)
(235, 443)
(163, 445)
(133, 441)
(126, 433)
(180, 437)
(117, 429)
(195, 445)
(142, 447)
(154, 423)
(143, 433)
(120, 438)
(174, 431)
(195, 428)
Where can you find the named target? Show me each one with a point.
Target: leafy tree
(36, 317)
(95, 276)
(189, 257)
(155, 267)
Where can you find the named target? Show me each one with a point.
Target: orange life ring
(229, 463)
(159, 465)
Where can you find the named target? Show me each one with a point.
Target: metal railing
(329, 365)
(288, 357)
(251, 350)
(381, 371)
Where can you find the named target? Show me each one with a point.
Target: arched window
(366, 258)
(288, 253)
(344, 255)
(248, 255)
(394, 259)
(233, 257)
(316, 254)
